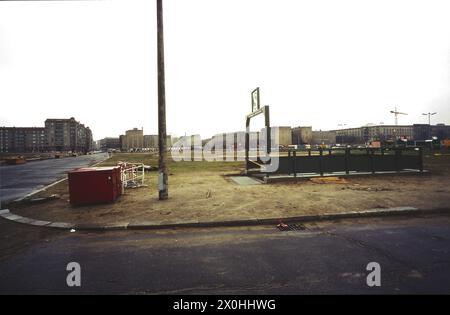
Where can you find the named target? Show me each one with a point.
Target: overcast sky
(317, 63)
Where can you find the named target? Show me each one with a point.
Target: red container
(92, 185)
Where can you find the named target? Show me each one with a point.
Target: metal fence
(348, 160)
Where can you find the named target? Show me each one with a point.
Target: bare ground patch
(211, 196)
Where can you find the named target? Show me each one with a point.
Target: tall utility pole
(429, 116)
(162, 176)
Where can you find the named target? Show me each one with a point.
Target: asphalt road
(18, 180)
(414, 255)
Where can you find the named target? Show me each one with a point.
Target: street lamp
(429, 128)
(429, 116)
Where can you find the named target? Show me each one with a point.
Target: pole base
(163, 195)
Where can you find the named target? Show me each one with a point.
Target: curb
(397, 211)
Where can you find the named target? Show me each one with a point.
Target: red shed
(93, 185)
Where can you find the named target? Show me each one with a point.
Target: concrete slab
(12, 217)
(245, 180)
(25, 220)
(40, 223)
(61, 225)
(300, 176)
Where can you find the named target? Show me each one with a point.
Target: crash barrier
(348, 160)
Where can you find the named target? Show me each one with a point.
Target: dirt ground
(210, 195)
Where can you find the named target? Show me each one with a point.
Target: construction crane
(396, 113)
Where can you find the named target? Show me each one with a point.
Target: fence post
(289, 157)
(122, 178)
(320, 161)
(293, 163)
(371, 161)
(397, 160)
(421, 159)
(347, 153)
(368, 158)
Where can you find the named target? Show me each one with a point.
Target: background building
(67, 135)
(151, 141)
(440, 131)
(302, 135)
(421, 132)
(349, 136)
(109, 143)
(323, 137)
(89, 142)
(391, 133)
(133, 139)
(22, 139)
(57, 135)
(284, 135)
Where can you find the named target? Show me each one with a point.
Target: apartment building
(67, 135)
(302, 135)
(22, 139)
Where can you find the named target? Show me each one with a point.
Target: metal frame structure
(255, 100)
(265, 111)
(342, 161)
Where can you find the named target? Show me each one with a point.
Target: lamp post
(429, 123)
(429, 116)
(162, 167)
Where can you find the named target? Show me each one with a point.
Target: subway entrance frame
(338, 161)
(266, 112)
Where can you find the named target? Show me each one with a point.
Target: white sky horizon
(317, 63)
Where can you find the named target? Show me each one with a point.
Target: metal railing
(346, 160)
(132, 175)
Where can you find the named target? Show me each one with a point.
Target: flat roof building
(67, 135)
(109, 143)
(22, 139)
